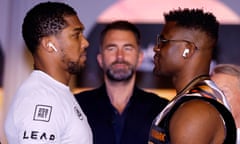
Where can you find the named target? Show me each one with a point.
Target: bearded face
(120, 71)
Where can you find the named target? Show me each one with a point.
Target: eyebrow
(79, 29)
(112, 44)
(162, 36)
(128, 44)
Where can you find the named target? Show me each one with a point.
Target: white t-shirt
(45, 111)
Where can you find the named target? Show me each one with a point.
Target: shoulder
(148, 99)
(196, 107)
(89, 97)
(31, 106)
(89, 93)
(150, 96)
(197, 119)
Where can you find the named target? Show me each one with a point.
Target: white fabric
(45, 111)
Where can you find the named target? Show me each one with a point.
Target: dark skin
(195, 121)
(71, 51)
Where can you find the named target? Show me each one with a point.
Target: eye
(163, 41)
(77, 35)
(110, 48)
(128, 48)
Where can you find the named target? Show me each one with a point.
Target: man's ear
(48, 44)
(185, 53)
(140, 58)
(99, 59)
(188, 51)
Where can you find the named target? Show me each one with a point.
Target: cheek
(75, 46)
(174, 53)
(133, 59)
(170, 58)
(71, 48)
(107, 60)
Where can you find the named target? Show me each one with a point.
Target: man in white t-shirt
(44, 110)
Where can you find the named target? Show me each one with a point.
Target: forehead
(223, 77)
(73, 22)
(225, 80)
(120, 35)
(171, 30)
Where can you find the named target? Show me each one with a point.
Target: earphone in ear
(185, 52)
(52, 46)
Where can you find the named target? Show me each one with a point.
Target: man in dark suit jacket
(118, 111)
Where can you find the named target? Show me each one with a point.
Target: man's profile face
(72, 45)
(168, 58)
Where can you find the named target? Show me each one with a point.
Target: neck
(55, 73)
(190, 83)
(51, 66)
(119, 93)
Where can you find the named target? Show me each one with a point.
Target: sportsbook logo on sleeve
(38, 135)
(79, 114)
(42, 113)
(158, 136)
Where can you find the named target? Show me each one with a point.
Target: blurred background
(16, 61)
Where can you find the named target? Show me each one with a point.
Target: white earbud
(52, 46)
(185, 52)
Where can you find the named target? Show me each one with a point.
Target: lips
(156, 58)
(83, 57)
(119, 65)
(83, 54)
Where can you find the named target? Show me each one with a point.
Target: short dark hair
(44, 19)
(121, 25)
(195, 19)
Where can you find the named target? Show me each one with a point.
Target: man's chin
(119, 76)
(157, 72)
(76, 70)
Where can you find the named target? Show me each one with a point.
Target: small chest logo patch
(78, 113)
(42, 113)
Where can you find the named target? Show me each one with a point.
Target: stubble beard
(120, 74)
(74, 68)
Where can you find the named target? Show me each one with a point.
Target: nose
(120, 53)
(156, 48)
(85, 42)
